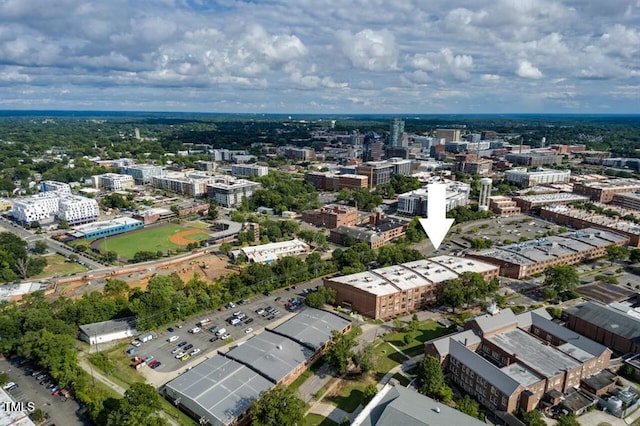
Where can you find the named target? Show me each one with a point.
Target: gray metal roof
(312, 327)
(534, 352)
(525, 319)
(492, 374)
(489, 323)
(467, 337)
(273, 355)
(108, 327)
(218, 388)
(607, 318)
(569, 336)
(401, 406)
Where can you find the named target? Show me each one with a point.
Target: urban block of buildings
(192, 184)
(534, 159)
(248, 170)
(579, 219)
(396, 290)
(525, 259)
(113, 181)
(331, 181)
(520, 362)
(229, 191)
(331, 216)
(267, 253)
(219, 391)
(142, 173)
(627, 200)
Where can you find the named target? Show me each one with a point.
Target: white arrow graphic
(436, 225)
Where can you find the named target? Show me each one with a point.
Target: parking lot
(184, 341)
(60, 410)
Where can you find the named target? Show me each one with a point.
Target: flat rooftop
(273, 355)
(219, 386)
(613, 183)
(598, 219)
(534, 352)
(560, 197)
(312, 327)
(521, 374)
(96, 226)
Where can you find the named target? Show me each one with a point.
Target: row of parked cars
(46, 381)
(182, 351)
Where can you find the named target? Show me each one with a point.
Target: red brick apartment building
(395, 290)
(331, 216)
(511, 362)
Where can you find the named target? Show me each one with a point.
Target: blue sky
(322, 56)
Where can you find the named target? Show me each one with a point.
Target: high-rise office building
(396, 133)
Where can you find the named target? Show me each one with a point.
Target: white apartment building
(75, 209)
(415, 203)
(72, 208)
(114, 181)
(248, 170)
(54, 186)
(229, 191)
(522, 177)
(193, 184)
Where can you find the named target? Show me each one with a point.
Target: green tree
(340, 351)
(615, 253)
(452, 294)
(634, 256)
(429, 374)
(532, 418)
(213, 212)
(277, 406)
(568, 420)
(561, 278)
(370, 391)
(40, 247)
(322, 296)
(363, 359)
(469, 406)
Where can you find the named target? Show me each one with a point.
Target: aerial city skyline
(322, 57)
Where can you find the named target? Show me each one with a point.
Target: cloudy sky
(322, 56)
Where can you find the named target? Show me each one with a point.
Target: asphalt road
(29, 390)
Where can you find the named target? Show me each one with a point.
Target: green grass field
(58, 265)
(150, 239)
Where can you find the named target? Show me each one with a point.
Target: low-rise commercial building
(511, 363)
(378, 232)
(114, 181)
(523, 177)
(108, 331)
(603, 191)
(533, 257)
(336, 181)
(618, 330)
(528, 202)
(395, 290)
(267, 253)
(106, 228)
(503, 206)
(627, 200)
(579, 219)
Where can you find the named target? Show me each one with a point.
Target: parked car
(179, 355)
(196, 351)
(181, 344)
(148, 359)
(186, 348)
(277, 299)
(260, 311)
(249, 321)
(136, 343)
(156, 365)
(176, 350)
(248, 330)
(213, 339)
(225, 336)
(9, 385)
(171, 329)
(185, 357)
(173, 339)
(55, 392)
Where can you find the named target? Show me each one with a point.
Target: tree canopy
(561, 278)
(276, 407)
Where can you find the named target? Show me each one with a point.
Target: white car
(9, 385)
(196, 351)
(195, 330)
(225, 336)
(248, 330)
(179, 355)
(136, 343)
(176, 350)
(260, 311)
(173, 339)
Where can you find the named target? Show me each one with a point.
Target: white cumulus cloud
(527, 70)
(369, 50)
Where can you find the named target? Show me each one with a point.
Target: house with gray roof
(108, 331)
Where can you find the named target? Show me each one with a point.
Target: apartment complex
(229, 191)
(114, 181)
(54, 186)
(142, 173)
(415, 203)
(579, 219)
(248, 170)
(192, 184)
(335, 182)
(523, 177)
(533, 257)
(604, 191)
(48, 205)
(331, 216)
(517, 362)
(395, 290)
